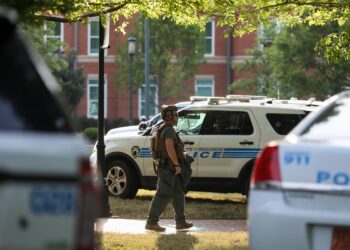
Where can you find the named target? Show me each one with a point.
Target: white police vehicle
(224, 136)
(48, 198)
(300, 187)
(155, 119)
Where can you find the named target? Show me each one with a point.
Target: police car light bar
(198, 98)
(216, 100)
(246, 98)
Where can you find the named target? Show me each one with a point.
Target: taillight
(88, 209)
(266, 171)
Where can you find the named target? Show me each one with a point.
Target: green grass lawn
(205, 241)
(199, 205)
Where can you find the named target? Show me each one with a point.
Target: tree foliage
(71, 80)
(168, 71)
(244, 15)
(69, 77)
(290, 66)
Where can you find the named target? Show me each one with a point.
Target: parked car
(144, 124)
(300, 186)
(48, 197)
(224, 136)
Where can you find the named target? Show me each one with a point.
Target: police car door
(188, 126)
(229, 140)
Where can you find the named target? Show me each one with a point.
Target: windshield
(333, 123)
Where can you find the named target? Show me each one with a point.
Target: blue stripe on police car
(224, 153)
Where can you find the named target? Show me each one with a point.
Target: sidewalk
(117, 225)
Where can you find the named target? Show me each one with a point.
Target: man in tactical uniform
(169, 186)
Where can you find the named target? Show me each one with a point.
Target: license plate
(341, 238)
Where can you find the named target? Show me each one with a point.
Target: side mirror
(143, 118)
(142, 125)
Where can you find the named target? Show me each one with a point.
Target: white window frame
(205, 78)
(212, 37)
(60, 37)
(156, 111)
(95, 78)
(261, 32)
(93, 19)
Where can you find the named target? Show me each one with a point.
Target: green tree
(167, 39)
(63, 66)
(290, 66)
(244, 15)
(71, 79)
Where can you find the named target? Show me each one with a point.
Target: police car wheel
(246, 187)
(246, 184)
(121, 180)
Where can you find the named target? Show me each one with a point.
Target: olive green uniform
(169, 186)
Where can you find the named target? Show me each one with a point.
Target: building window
(204, 87)
(153, 99)
(209, 39)
(92, 107)
(93, 37)
(267, 33)
(53, 33)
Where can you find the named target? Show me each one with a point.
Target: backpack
(157, 145)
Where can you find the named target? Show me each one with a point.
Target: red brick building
(212, 78)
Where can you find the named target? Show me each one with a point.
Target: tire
(246, 182)
(246, 186)
(122, 180)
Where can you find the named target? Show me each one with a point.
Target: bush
(91, 133)
(82, 123)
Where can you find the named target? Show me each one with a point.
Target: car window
(333, 123)
(227, 123)
(284, 123)
(154, 121)
(190, 122)
(26, 104)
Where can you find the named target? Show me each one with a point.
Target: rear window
(333, 123)
(26, 104)
(284, 123)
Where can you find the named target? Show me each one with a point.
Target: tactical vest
(158, 148)
(157, 145)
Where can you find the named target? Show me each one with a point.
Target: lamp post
(131, 52)
(105, 211)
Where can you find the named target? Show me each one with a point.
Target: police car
(300, 187)
(223, 134)
(155, 119)
(48, 198)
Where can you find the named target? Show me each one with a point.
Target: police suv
(223, 134)
(47, 193)
(300, 190)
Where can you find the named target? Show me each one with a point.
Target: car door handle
(246, 143)
(188, 142)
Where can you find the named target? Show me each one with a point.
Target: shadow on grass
(197, 200)
(208, 200)
(181, 240)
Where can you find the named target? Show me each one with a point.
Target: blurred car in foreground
(48, 198)
(300, 186)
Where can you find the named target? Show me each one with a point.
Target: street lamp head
(131, 45)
